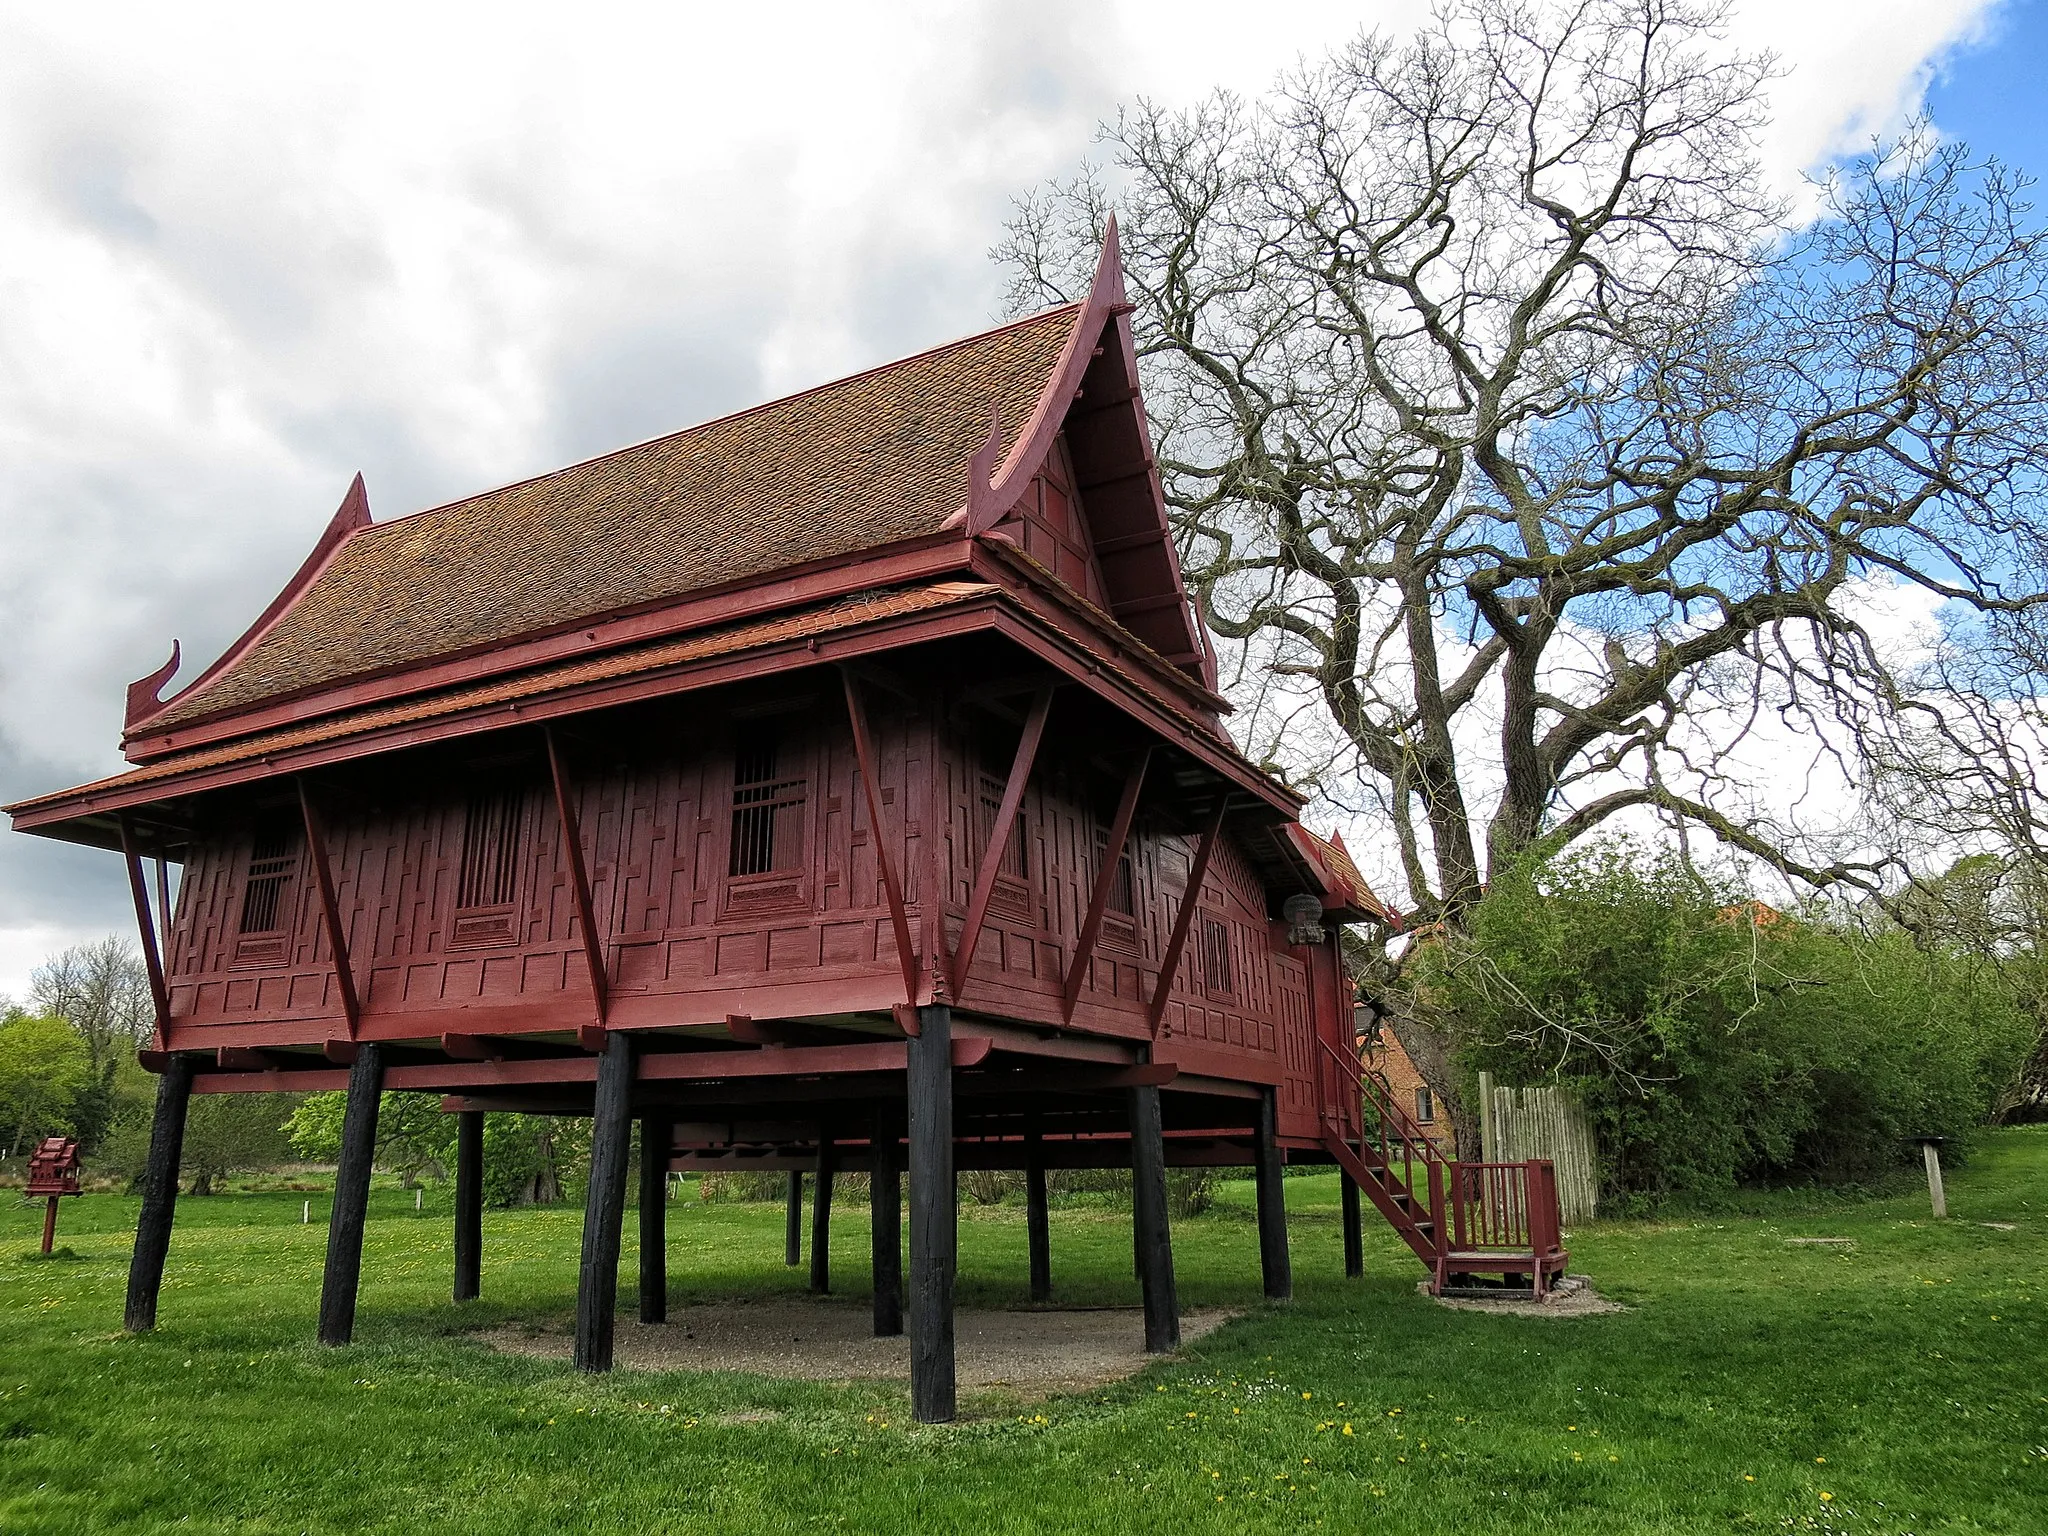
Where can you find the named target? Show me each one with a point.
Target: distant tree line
(68, 1068)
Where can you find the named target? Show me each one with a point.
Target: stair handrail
(1398, 1136)
(1386, 1107)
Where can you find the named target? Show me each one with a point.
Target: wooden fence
(1516, 1124)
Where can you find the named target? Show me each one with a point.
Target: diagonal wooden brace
(871, 788)
(1105, 883)
(1169, 963)
(159, 992)
(579, 876)
(999, 834)
(330, 912)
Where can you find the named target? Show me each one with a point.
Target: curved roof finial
(983, 513)
(145, 695)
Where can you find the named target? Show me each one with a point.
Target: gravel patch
(1571, 1296)
(1029, 1352)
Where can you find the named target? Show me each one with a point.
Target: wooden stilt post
(159, 1194)
(1274, 1267)
(351, 1196)
(656, 1139)
(1154, 1240)
(885, 1200)
(934, 1216)
(1035, 1223)
(821, 1219)
(793, 1223)
(469, 1204)
(604, 1207)
(1354, 1235)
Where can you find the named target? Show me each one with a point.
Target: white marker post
(306, 1215)
(1930, 1151)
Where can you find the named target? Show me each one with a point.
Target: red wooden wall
(693, 931)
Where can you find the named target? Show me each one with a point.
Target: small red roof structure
(53, 1167)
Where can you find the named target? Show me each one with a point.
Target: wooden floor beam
(338, 1286)
(604, 1206)
(934, 1217)
(159, 1195)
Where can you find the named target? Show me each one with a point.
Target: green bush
(1715, 1041)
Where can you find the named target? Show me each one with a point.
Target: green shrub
(1714, 1040)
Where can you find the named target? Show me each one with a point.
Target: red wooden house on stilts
(839, 784)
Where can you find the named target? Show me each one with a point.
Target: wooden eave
(895, 619)
(933, 557)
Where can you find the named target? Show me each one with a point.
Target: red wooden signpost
(838, 785)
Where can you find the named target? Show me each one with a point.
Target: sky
(246, 252)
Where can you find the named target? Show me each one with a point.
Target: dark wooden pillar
(821, 1220)
(1148, 1208)
(351, 1196)
(656, 1139)
(793, 1223)
(469, 1204)
(1035, 1224)
(159, 1194)
(885, 1200)
(1274, 1268)
(934, 1217)
(604, 1207)
(1354, 1236)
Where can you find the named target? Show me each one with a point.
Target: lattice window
(767, 804)
(1216, 974)
(1425, 1106)
(1015, 862)
(1123, 890)
(490, 848)
(273, 860)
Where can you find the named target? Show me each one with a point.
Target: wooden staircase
(1463, 1220)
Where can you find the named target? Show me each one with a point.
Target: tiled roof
(845, 613)
(1345, 880)
(866, 461)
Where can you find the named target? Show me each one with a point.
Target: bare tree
(103, 989)
(1532, 458)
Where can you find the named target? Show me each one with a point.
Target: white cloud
(249, 250)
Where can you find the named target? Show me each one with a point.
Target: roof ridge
(890, 366)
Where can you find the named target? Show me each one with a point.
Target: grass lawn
(1899, 1385)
